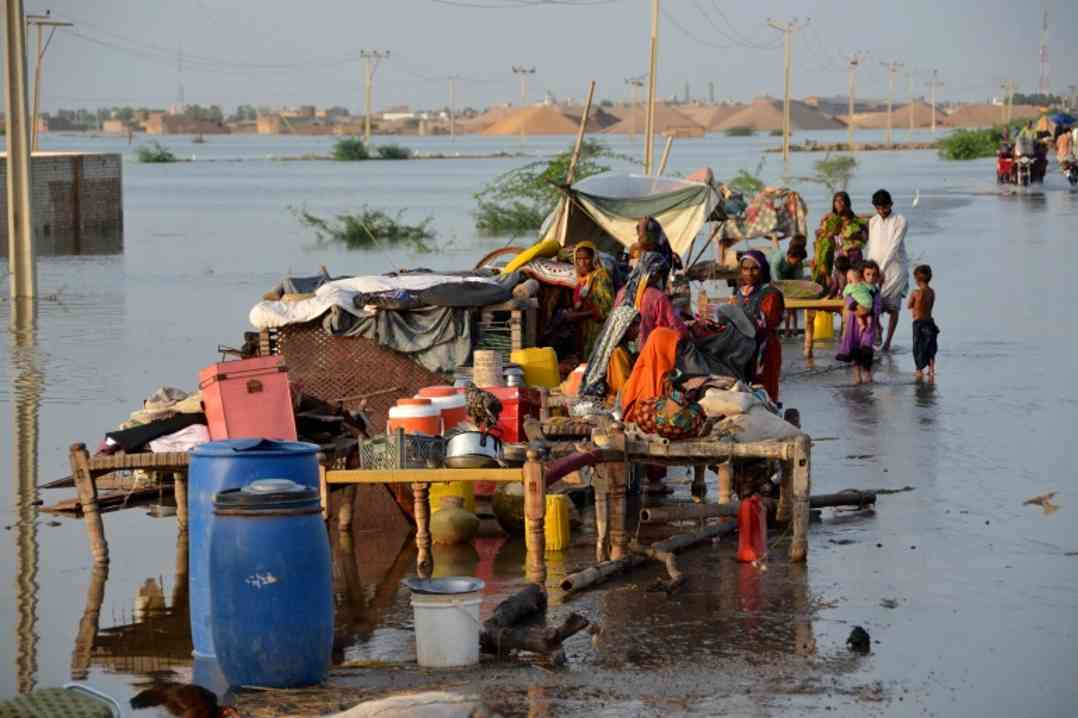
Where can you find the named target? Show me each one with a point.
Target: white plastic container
(454, 409)
(446, 629)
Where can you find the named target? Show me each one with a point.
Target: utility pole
(1073, 89)
(892, 67)
(649, 124)
(20, 231)
(855, 59)
(711, 93)
(372, 58)
(1044, 89)
(933, 84)
(787, 31)
(688, 94)
(453, 107)
(636, 83)
(909, 91)
(523, 72)
(40, 22)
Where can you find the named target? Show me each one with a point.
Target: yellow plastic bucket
(463, 489)
(823, 327)
(540, 365)
(558, 507)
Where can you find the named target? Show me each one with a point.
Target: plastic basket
(402, 451)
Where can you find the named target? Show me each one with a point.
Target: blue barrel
(272, 585)
(222, 465)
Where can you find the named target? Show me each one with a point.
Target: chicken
(184, 701)
(484, 409)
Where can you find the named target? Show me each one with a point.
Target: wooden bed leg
(346, 509)
(617, 510)
(802, 486)
(810, 329)
(726, 481)
(179, 487)
(87, 488)
(535, 518)
(323, 492)
(782, 513)
(699, 481)
(82, 656)
(602, 516)
(424, 563)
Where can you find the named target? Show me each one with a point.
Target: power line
(736, 36)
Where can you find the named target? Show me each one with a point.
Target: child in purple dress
(859, 329)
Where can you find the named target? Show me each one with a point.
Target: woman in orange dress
(765, 306)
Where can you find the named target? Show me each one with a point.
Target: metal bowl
(447, 586)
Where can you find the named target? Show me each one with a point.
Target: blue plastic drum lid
(216, 467)
(254, 447)
(270, 497)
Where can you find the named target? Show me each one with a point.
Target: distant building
(160, 123)
(115, 127)
(299, 112)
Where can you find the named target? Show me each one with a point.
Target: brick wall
(77, 203)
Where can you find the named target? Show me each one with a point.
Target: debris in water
(1044, 501)
(842, 542)
(859, 640)
(889, 602)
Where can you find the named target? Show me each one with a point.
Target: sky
(283, 52)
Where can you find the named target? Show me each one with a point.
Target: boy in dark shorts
(925, 330)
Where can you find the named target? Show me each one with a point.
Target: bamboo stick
(666, 155)
(685, 512)
(84, 482)
(600, 572)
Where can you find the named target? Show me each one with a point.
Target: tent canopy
(609, 205)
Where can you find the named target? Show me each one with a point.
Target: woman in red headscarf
(765, 306)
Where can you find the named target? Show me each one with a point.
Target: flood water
(985, 598)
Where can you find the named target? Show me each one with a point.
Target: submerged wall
(77, 201)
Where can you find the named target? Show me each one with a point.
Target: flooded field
(971, 598)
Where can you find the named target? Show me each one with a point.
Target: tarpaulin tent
(610, 204)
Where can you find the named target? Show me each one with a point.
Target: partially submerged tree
(518, 201)
(368, 229)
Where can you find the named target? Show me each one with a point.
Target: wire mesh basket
(402, 451)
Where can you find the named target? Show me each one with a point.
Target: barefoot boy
(925, 330)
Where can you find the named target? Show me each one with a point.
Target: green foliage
(739, 132)
(369, 229)
(393, 152)
(155, 152)
(749, 183)
(518, 201)
(963, 144)
(834, 172)
(350, 149)
(777, 132)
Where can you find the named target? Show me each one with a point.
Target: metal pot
(472, 450)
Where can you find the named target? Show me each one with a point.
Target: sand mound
(667, 119)
(900, 117)
(599, 119)
(987, 115)
(710, 116)
(535, 120)
(765, 114)
(482, 121)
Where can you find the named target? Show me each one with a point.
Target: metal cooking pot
(472, 450)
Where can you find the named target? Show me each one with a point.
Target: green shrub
(777, 132)
(155, 152)
(518, 201)
(961, 144)
(350, 149)
(749, 183)
(739, 132)
(393, 152)
(834, 172)
(369, 229)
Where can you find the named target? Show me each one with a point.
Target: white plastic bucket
(446, 629)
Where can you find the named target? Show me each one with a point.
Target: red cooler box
(518, 403)
(248, 398)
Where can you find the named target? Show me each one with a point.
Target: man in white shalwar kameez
(887, 247)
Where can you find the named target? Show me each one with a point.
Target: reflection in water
(27, 394)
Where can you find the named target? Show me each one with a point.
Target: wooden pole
(570, 175)
(666, 155)
(86, 486)
(535, 518)
(649, 124)
(179, 488)
(786, 96)
(23, 282)
(685, 512)
(346, 510)
(726, 481)
(424, 562)
(699, 481)
(802, 487)
(37, 90)
(82, 655)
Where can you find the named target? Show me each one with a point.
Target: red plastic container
(751, 530)
(248, 399)
(518, 403)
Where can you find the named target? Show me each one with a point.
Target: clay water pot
(452, 524)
